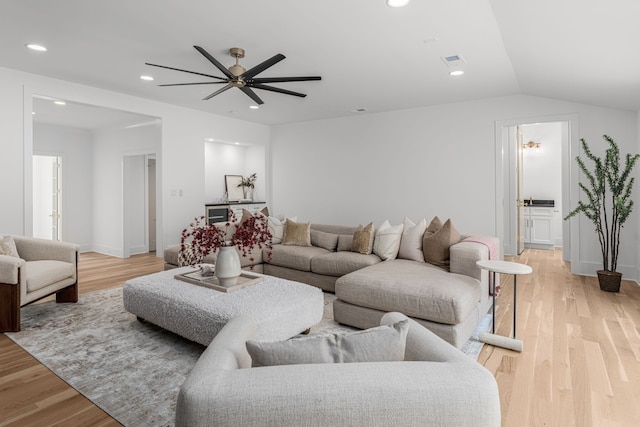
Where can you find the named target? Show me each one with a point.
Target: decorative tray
(195, 277)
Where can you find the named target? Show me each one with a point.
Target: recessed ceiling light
(397, 3)
(146, 78)
(236, 143)
(209, 139)
(254, 107)
(59, 102)
(33, 113)
(36, 47)
(456, 73)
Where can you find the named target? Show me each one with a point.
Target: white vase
(227, 267)
(248, 193)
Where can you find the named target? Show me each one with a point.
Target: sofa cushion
(8, 247)
(345, 242)
(387, 241)
(363, 239)
(297, 233)
(44, 273)
(411, 243)
(328, 241)
(415, 289)
(340, 263)
(380, 344)
(435, 246)
(295, 257)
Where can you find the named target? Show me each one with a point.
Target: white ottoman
(281, 308)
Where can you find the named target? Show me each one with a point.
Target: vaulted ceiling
(370, 56)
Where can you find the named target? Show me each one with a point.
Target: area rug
(131, 370)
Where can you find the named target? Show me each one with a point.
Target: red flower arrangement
(200, 239)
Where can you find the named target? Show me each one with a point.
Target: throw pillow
(363, 239)
(436, 245)
(324, 240)
(345, 242)
(246, 214)
(434, 225)
(411, 242)
(387, 241)
(276, 227)
(8, 247)
(381, 344)
(297, 233)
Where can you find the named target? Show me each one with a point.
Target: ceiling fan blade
(285, 79)
(185, 71)
(263, 66)
(215, 62)
(218, 92)
(251, 94)
(201, 83)
(277, 89)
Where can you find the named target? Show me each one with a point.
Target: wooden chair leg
(68, 294)
(9, 308)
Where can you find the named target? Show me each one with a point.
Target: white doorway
(139, 204)
(508, 199)
(47, 197)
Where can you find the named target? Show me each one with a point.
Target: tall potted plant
(608, 205)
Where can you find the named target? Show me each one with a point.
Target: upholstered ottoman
(281, 308)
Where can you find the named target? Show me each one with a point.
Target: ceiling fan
(243, 79)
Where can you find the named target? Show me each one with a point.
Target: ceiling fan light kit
(237, 76)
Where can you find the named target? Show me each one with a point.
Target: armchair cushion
(44, 273)
(380, 344)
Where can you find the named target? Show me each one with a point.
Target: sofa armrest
(463, 257)
(9, 269)
(32, 249)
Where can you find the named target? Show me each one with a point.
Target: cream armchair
(43, 268)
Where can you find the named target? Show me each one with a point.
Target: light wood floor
(580, 365)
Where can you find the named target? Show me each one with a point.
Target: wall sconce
(531, 144)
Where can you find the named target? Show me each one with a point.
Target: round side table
(504, 267)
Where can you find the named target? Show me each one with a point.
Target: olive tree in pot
(608, 205)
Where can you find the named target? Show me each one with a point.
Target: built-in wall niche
(232, 158)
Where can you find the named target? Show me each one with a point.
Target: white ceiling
(369, 55)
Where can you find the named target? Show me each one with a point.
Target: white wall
(228, 159)
(180, 162)
(134, 209)
(427, 161)
(110, 148)
(542, 169)
(76, 149)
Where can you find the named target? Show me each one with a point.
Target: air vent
(453, 60)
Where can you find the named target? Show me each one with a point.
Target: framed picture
(234, 192)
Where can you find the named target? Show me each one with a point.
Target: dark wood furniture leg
(68, 294)
(9, 307)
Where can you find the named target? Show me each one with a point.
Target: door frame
(505, 152)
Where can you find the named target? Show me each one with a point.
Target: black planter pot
(609, 280)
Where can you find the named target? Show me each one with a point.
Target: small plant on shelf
(249, 181)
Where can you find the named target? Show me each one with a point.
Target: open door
(520, 234)
(47, 197)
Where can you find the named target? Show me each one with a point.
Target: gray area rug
(131, 370)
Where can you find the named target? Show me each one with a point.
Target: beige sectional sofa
(449, 303)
